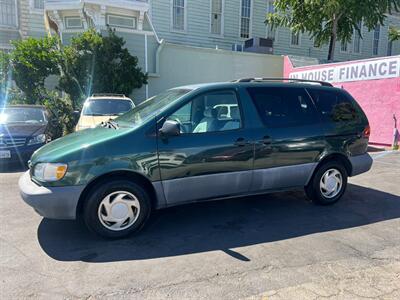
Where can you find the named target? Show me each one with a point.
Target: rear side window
(333, 106)
(284, 107)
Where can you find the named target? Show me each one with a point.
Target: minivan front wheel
(328, 184)
(116, 209)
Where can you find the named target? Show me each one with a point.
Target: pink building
(374, 83)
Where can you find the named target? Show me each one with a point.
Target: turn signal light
(60, 172)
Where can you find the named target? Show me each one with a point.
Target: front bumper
(50, 202)
(360, 164)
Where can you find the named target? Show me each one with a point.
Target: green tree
(394, 34)
(5, 76)
(328, 21)
(33, 60)
(94, 63)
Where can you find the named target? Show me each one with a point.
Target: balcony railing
(108, 2)
(70, 4)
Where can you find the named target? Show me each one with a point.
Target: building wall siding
(6, 36)
(198, 24)
(198, 31)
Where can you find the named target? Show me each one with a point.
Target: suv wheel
(116, 209)
(328, 184)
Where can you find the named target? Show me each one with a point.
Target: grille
(6, 142)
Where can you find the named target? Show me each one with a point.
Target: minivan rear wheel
(328, 184)
(116, 209)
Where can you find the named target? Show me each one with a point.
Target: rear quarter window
(334, 106)
(286, 107)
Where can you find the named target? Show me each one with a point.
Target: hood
(23, 130)
(92, 121)
(79, 143)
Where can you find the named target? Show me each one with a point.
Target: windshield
(106, 107)
(23, 115)
(152, 106)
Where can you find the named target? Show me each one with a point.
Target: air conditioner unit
(259, 45)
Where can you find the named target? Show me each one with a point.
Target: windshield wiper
(110, 124)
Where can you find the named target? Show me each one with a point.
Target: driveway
(276, 246)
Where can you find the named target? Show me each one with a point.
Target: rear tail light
(367, 132)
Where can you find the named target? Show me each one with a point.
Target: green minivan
(198, 143)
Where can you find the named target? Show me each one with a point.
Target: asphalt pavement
(277, 246)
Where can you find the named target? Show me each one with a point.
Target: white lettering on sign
(369, 70)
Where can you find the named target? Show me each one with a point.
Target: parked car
(174, 149)
(103, 107)
(23, 130)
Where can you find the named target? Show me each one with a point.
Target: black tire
(313, 190)
(105, 188)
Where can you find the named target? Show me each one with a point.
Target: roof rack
(322, 83)
(108, 95)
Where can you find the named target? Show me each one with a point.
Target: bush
(92, 63)
(32, 61)
(62, 112)
(63, 121)
(15, 96)
(96, 63)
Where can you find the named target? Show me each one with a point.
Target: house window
(390, 48)
(377, 33)
(216, 16)
(271, 30)
(178, 14)
(8, 13)
(357, 39)
(73, 22)
(343, 47)
(39, 4)
(245, 16)
(121, 21)
(295, 39)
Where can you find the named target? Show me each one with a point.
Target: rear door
(343, 120)
(290, 139)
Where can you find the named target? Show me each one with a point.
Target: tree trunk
(332, 42)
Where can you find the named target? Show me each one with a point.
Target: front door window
(211, 112)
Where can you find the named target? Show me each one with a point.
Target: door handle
(266, 140)
(241, 142)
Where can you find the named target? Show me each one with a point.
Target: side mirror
(170, 128)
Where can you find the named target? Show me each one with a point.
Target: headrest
(235, 113)
(210, 112)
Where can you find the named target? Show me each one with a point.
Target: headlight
(39, 139)
(49, 171)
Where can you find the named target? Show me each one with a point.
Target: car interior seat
(234, 123)
(209, 122)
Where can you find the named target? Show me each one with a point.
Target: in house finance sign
(366, 70)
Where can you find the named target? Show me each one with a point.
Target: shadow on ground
(220, 225)
(12, 168)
